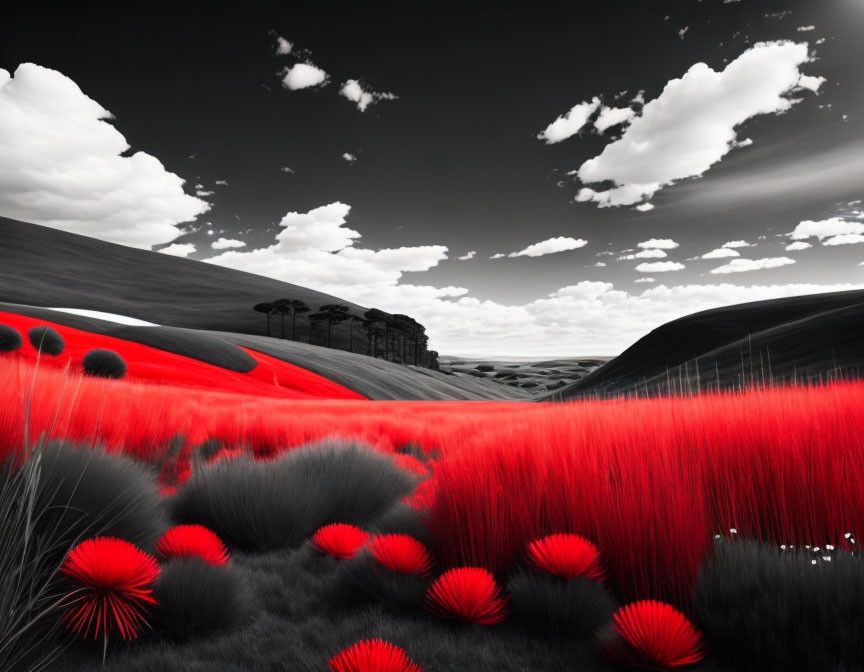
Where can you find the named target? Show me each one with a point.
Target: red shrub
(469, 594)
(185, 541)
(401, 553)
(651, 635)
(373, 655)
(339, 540)
(113, 588)
(566, 555)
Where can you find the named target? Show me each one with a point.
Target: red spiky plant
(652, 635)
(339, 540)
(373, 655)
(468, 594)
(567, 556)
(187, 541)
(112, 593)
(401, 553)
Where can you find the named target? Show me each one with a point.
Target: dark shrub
(267, 505)
(402, 519)
(574, 608)
(88, 492)
(196, 599)
(46, 340)
(363, 579)
(767, 609)
(104, 364)
(10, 339)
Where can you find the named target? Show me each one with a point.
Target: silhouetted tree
(376, 321)
(354, 320)
(332, 313)
(282, 307)
(267, 309)
(297, 308)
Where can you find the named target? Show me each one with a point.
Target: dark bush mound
(10, 339)
(104, 364)
(574, 608)
(196, 599)
(402, 519)
(47, 340)
(85, 492)
(362, 579)
(268, 505)
(767, 609)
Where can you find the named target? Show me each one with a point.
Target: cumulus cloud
(569, 124)
(469, 255)
(660, 267)
(304, 76)
(826, 228)
(644, 280)
(806, 29)
(613, 116)
(178, 249)
(550, 246)
(350, 158)
(658, 244)
(650, 253)
(735, 244)
(645, 207)
(797, 245)
(720, 253)
(363, 97)
(498, 255)
(63, 165)
(845, 239)
(283, 46)
(745, 265)
(691, 125)
(227, 244)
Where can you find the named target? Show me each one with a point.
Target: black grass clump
(262, 506)
(88, 492)
(104, 364)
(46, 340)
(763, 608)
(10, 338)
(574, 608)
(403, 519)
(363, 579)
(196, 599)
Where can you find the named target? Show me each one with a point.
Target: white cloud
(644, 280)
(811, 83)
(720, 253)
(569, 124)
(353, 90)
(287, 169)
(469, 255)
(746, 142)
(283, 46)
(227, 244)
(845, 239)
(61, 165)
(498, 255)
(550, 246)
(797, 245)
(806, 29)
(178, 249)
(826, 228)
(600, 264)
(734, 244)
(683, 32)
(658, 244)
(303, 76)
(650, 253)
(613, 116)
(744, 265)
(222, 183)
(350, 158)
(645, 207)
(660, 267)
(691, 125)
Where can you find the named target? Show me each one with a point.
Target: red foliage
(468, 594)
(566, 555)
(401, 553)
(227, 454)
(113, 588)
(339, 540)
(373, 655)
(185, 541)
(651, 635)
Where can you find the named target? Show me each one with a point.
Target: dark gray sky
(455, 160)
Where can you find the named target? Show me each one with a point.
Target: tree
(282, 307)
(355, 320)
(267, 309)
(332, 313)
(376, 326)
(298, 308)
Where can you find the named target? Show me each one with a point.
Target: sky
(543, 179)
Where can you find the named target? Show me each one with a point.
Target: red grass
(113, 588)
(652, 635)
(227, 454)
(339, 540)
(566, 555)
(186, 541)
(401, 553)
(373, 655)
(468, 594)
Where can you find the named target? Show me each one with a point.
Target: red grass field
(649, 481)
